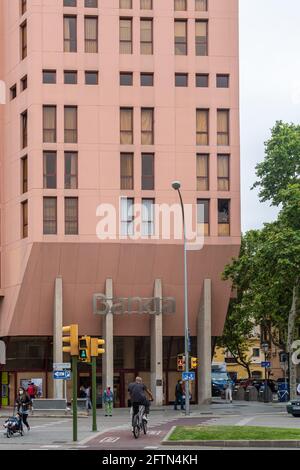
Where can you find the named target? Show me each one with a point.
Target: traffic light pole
(74, 383)
(94, 392)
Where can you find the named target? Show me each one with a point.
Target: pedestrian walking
(88, 402)
(23, 403)
(178, 395)
(31, 390)
(228, 391)
(108, 400)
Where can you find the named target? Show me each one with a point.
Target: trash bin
(283, 392)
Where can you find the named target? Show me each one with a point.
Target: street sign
(188, 375)
(62, 374)
(266, 364)
(62, 365)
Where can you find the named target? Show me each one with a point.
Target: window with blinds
(70, 33)
(126, 36)
(49, 170)
(202, 118)
(70, 119)
(24, 219)
(125, 4)
(223, 126)
(23, 34)
(147, 126)
(201, 5)
(223, 217)
(223, 172)
(203, 206)
(126, 126)
(24, 129)
(148, 217)
(148, 171)
(91, 3)
(127, 216)
(50, 215)
(24, 172)
(180, 5)
(71, 216)
(49, 124)
(201, 38)
(91, 34)
(146, 5)
(180, 37)
(71, 170)
(126, 171)
(203, 172)
(146, 37)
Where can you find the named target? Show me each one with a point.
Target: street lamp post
(265, 347)
(176, 185)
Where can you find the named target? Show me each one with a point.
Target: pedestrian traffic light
(180, 362)
(194, 362)
(95, 350)
(71, 340)
(85, 349)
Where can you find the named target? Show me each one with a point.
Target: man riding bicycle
(137, 391)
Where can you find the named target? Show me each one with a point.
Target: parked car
(293, 408)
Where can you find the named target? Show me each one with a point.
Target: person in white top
(298, 389)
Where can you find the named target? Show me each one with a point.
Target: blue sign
(266, 364)
(188, 375)
(62, 374)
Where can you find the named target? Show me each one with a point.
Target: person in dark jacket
(179, 395)
(23, 403)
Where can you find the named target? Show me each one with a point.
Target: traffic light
(95, 350)
(71, 339)
(180, 362)
(194, 362)
(85, 349)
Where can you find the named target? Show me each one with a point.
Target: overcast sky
(270, 87)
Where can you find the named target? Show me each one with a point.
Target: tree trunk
(290, 339)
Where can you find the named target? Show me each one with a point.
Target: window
(70, 34)
(91, 34)
(223, 126)
(49, 124)
(70, 3)
(50, 216)
(147, 79)
(147, 126)
(223, 172)
(146, 5)
(223, 81)
(70, 124)
(49, 76)
(146, 37)
(202, 172)
(126, 4)
(181, 79)
(203, 217)
(25, 219)
(201, 5)
(91, 3)
(91, 78)
(202, 38)
(126, 78)
(23, 33)
(23, 4)
(24, 83)
(13, 92)
(24, 172)
(126, 125)
(255, 352)
(125, 36)
(147, 171)
(24, 130)
(71, 216)
(71, 170)
(180, 5)
(202, 126)
(223, 217)
(180, 37)
(127, 216)
(202, 80)
(147, 217)
(49, 164)
(126, 170)
(70, 77)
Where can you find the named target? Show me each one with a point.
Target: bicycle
(139, 422)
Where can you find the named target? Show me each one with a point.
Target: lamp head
(176, 185)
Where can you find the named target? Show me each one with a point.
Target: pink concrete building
(110, 99)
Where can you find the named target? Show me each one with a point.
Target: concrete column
(108, 336)
(204, 344)
(57, 334)
(156, 349)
